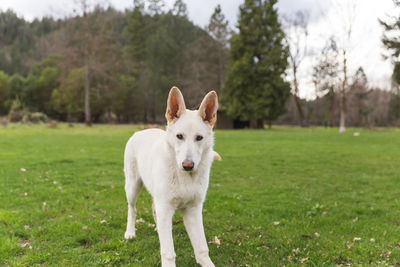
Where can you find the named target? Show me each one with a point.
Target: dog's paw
(129, 235)
(206, 262)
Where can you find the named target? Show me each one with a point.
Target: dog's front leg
(164, 215)
(193, 220)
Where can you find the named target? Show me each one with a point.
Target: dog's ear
(175, 105)
(208, 108)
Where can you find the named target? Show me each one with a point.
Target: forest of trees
(105, 65)
(129, 60)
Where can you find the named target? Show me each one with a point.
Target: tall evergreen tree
(139, 4)
(219, 31)
(255, 88)
(156, 6)
(391, 41)
(179, 9)
(394, 104)
(3, 92)
(136, 32)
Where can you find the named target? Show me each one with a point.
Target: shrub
(16, 111)
(36, 117)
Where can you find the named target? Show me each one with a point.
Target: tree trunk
(220, 71)
(257, 124)
(260, 124)
(342, 128)
(342, 105)
(300, 110)
(88, 120)
(145, 115)
(333, 110)
(296, 96)
(153, 106)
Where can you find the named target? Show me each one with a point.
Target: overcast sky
(326, 18)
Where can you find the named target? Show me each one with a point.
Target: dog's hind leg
(133, 186)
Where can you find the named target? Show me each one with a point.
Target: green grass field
(279, 197)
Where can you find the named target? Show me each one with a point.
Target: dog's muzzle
(187, 165)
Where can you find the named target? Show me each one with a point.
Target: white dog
(174, 165)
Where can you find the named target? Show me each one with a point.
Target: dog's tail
(217, 156)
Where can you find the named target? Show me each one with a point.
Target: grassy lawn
(279, 197)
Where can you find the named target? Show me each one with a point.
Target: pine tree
(136, 34)
(391, 41)
(180, 9)
(394, 104)
(3, 92)
(156, 6)
(255, 89)
(139, 5)
(219, 31)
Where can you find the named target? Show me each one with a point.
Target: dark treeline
(129, 60)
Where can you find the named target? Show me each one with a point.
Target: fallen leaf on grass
(85, 228)
(276, 223)
(23, 170)
(302, 260)
(355, 219)
(104, 221)
(296, 251)
(215, 241)
(349, 245)
(27, 227)
(324, 213)
(140, 220)
(317, 235)
(372, 240)
(25, 244)
(356, 239)
(386, 254)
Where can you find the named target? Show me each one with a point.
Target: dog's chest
(188, 193)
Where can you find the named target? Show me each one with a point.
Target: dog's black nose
(187, 165)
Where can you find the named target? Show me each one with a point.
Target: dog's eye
(199, 138)
(179, 136)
